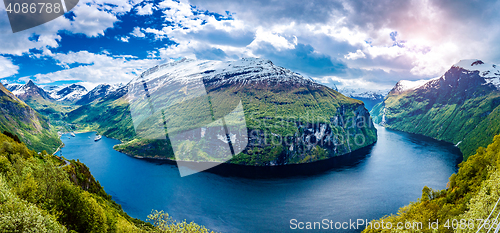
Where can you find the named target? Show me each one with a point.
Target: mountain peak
(407, 85)
(70, 93)
(30, 84)
(217, 73)
(490, 72)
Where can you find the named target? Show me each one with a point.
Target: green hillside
(279, 111)
(40, 192)
(31, 127)
(456, 108)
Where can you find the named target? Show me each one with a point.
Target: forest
(40, 192)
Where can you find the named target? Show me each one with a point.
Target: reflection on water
(366, 185)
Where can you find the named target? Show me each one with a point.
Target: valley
(461, 107)
(288, 120)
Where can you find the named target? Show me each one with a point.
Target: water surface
(388, 176)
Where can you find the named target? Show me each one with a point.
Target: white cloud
(97, 68)
(273, 38)
(159, 34)
(90, 20)
(125, 39)
(7, 68)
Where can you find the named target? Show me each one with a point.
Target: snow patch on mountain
(490, 72)
(100, 91)
(12, 87)
(407, 85)
(361, 93)
(239, 72)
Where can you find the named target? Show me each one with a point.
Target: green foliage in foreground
(471, 194)
(473, 122)
(165, 223)
(42, 193)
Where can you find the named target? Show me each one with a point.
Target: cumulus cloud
(7, 68)
(418, 39)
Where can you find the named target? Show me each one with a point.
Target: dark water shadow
(281, 171)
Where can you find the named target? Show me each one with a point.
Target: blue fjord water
(388, 176)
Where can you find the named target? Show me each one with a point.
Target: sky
(365, 45)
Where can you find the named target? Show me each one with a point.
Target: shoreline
(276, 171)
(251, 171)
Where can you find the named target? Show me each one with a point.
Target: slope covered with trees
(471, 194)
(460, 107)
(40, 192)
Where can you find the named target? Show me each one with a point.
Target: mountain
(98, 92)
(44, 193)
(29, 91)
(309, 121)
(45, 100)
(28, 125)
(461, 106)
(370, 98)
(69, 94)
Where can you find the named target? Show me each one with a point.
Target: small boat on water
(73, 134)
(97, 138)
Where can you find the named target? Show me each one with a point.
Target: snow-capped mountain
(98, 92)
(28, 90)
(362, 93)
(370, 98)
(51, 88)
(70, 93)
(487, 71)
(12, 87)
(218, 73)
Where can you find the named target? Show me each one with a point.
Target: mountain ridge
(461, 107)
(269, 94)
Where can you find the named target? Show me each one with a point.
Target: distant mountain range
(271, 95)
(72, 94)
(98, 92)
(462, 106)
